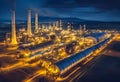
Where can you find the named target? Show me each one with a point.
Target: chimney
(29, 23)
(13, 36)
(69, 27)
(36, 21)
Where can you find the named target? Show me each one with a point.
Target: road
(35, 75)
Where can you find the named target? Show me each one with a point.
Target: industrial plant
(50, 52)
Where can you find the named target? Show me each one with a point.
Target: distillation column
(36, 21)
(60, 25)
(13, 36)
(29, 23)
(69, 27)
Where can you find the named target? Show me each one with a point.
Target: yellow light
(26, 53)
(81, 43)
(53, 69)
(33, 43)
(73, 38)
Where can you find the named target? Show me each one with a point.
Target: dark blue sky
(100, 10)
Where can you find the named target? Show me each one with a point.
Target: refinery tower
(36, 21)
(13, 35)
(29, 31)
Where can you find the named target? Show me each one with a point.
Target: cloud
(86, 9)
(100, 4)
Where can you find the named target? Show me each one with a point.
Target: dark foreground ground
(107, 68)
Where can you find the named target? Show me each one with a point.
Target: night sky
(99, 10)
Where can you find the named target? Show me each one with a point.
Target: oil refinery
(50, 53)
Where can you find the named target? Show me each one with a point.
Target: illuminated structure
(54, 49)
(97, 36)
(84, 28)
(13, 35)
(81, 31)
(62, 51)
(36, 21)
(29, 31)
(69, 27)
(57, 23)
(60, 25)
(71, 61)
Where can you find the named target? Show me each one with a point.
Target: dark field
(107, 69)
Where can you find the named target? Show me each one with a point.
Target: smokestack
(80, 27)
(29, 23)
(36, 21)
(84, 27)
(13, 37)
(69, 27)
(81, 30)
(61, 24)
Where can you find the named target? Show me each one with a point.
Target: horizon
(80, 20)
